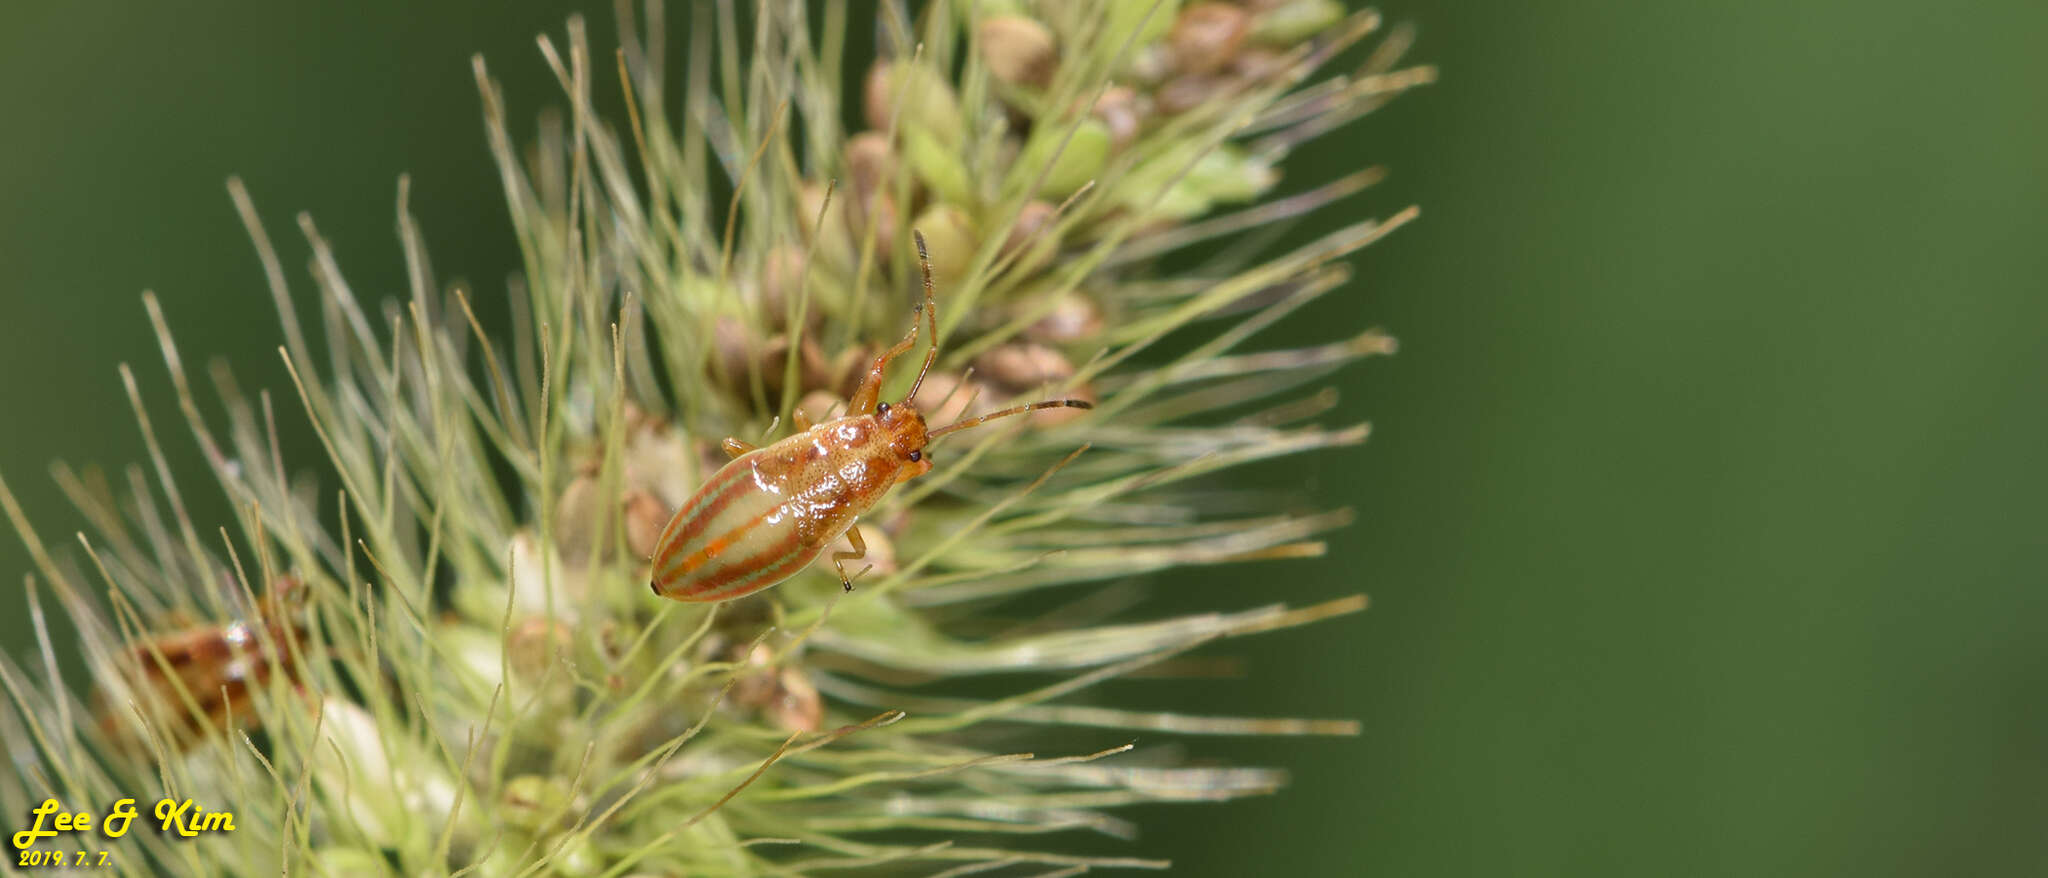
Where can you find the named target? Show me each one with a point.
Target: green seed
(1080, 161)
(530, 800)
(1228, 173)
(938, 167)
(953, 240)
(1293, 22)
(1126, 18)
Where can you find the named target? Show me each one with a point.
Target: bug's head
(904, 425)
(908, 437)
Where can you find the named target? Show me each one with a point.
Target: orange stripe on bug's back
(688, 524)
(770, 556)
(723, 569)
(687, 512)
(756, 573)
(738, 535)
(687, 565)
(769, 577)
(710, 552)
(713, 499)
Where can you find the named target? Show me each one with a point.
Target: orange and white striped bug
(770, 511)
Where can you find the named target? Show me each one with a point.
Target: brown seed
(534, 644)
(924, 96)
(1206, 37)
(945, 398)
(1257, 64)
(610, 640)
(821, 406)
(810, 207)
(1120, 110)
(712, 648)
(878, 95)
(870, 164)
(874, 211)
(645, 517)
(639, 419)
(1032, 236)
(784, 696)
(1187, 91)
(1023, 367)
(1018, 50)
(1033, 220)
(843, 377)
(753, 689)
(1018, 366)
(576, 516)
(1152, 64)
(796, 707)
(780, 274)
(815, 371)
(657, 461)
(832, 238)
(1075, 317)
(812, 369)
(739, 348)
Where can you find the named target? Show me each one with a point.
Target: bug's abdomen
(737, 572)
(761, 518)
(738, 534)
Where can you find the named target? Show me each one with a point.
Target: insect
(770, 511)
(216, 666)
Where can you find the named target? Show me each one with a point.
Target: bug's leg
(839, 559)
(863, 400)
(735, 447)
(870, 393)
(801, 420)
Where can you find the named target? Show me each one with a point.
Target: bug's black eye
(916, 456)
(881, 408)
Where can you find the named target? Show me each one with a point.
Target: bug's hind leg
(735, 447)
(860, 550)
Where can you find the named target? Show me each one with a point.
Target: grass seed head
(473, 675)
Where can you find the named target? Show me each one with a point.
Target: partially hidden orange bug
(769, 511)
(214, 665)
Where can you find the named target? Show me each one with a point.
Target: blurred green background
(1703, 517)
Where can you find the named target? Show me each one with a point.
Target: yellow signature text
(190, 820)
(180, 816)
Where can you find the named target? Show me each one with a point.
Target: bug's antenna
(1017, 410)
(931, 309)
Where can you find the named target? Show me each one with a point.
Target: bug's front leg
(839, 559)
(735, 447)
(869, 395)
(870, 391)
